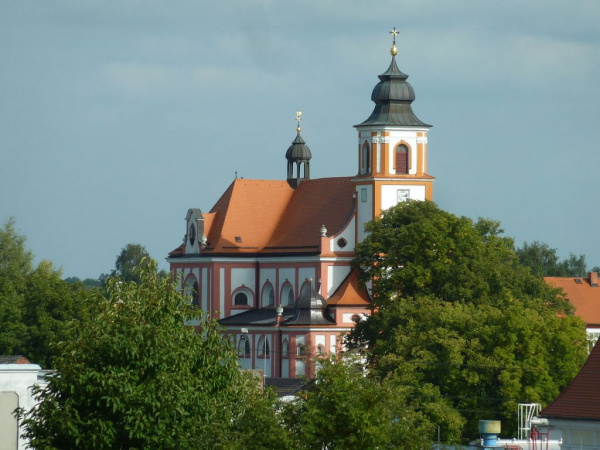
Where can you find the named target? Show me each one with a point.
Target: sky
(116, 117)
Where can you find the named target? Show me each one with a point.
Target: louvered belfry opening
(402, 159)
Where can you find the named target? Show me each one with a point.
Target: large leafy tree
(134, 375)
(347, 409)
(458, 319)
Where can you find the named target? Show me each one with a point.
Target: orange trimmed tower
(392, 149)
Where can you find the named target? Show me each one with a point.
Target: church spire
(298, 155)
(393, 96)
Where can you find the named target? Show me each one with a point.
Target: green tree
(49, 304)
(134, 375)
(459, 319)
(132, 256)
(544, 261)
(129, 261)
(347, 409)
(35, 304)
(15, 264)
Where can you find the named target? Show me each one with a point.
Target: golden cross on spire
(298, 119)
(394, 50)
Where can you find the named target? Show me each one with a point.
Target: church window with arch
(320, 350)
(365, 159)
(263, 349)
(287, 295)
(192, 291)
(402, 155)
(244, 347)
(300, 350)
(268, 296)
(242, 297)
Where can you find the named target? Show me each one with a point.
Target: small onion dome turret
(298, 151)
(393, 96)
(298, 159)
(310, 309)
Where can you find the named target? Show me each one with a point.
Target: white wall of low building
(16, 383)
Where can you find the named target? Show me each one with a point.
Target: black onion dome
(298, 151)
(310, 309)
(393, 96)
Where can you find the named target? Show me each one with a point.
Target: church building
(271, 259)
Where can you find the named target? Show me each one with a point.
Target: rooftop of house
(583, 293)
(581, 399)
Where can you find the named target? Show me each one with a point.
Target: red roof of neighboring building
(581, 399)
(582, 293)
(268, 216)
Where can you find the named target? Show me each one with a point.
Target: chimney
(593, 279)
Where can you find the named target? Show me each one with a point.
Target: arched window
(243, 296)
(365, 159)
(240, 299)
(285, 347)
(191, 291)
(264, 349)
(320, 350)
(300, 350)
(195, 295)
(244, 347)
(268, 296)
(402, 159)
(287, 295)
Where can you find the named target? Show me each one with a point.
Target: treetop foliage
(35, 303)
(345, 408)
(134, 375)
(544, 261)
(458, 319)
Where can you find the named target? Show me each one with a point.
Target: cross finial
(394, 33)
(298, 119)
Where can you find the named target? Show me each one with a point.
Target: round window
(342, 242)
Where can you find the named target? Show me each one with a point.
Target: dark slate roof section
(298, 151)
(310, 310)
(393, 96)
(260, 316)
(286, 386)
(580, 400)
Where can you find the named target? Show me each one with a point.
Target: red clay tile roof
(583, 296)
(268, 216)
(350, 293)
(581, 399)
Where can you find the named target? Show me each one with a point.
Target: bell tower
(392, 149)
